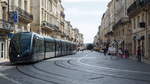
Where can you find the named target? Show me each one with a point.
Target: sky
(85, 15)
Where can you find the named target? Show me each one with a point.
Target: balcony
(137, 6)
(49, 26)
(24, 16)
(122, 21)
(62, 23)
(5, 26)
(63, 34)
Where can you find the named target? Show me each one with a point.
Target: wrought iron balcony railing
(137, 6)
(24, 16)
(49, 25)
(6, 26)
(121, 22)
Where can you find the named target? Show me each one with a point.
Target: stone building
(97, 39)
(45, 15)
(70, 32)
(67, 30)
(116, 26)
(128, 25)
(105, 28)
(21, 10)
(49, 20)
(80, 41)
(139, 13)
(122, 27)
(14, 17)
(5, 29)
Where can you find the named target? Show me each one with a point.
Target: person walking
(120, 52)
(126, 52)
(105, 51)
(139, 54)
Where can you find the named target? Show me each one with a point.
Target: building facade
(49, 20)
(21, 10)
(45, 17)
(122, 30)
(139, 14)
(5, 29)
(14, 17)
(128, 26)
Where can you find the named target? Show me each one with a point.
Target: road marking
(96, 78)
(56, 59)
(9, 79)
(108, 68)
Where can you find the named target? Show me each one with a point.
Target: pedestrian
(126, 52)
(105, 51)
(120, 52)
(114, 50)
(110, 50)
(139, 54)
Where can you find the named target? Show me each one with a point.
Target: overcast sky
(85, 15)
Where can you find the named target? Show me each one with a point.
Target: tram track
(63, 65)
(34, 66)
(48, 75)
(34, 77)
(67, 78)
(73, 65)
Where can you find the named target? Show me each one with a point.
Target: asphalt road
(82, 68)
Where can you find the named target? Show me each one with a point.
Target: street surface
(82, 68)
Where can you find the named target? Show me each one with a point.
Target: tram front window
(21, 43)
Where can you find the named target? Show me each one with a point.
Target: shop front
(4, 47)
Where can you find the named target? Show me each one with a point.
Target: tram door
(1, 49)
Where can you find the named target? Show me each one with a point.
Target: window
(38, 45)
(134, 23)
(25, 5)
(138, 20)
(148, 19)
(19, 3)
(4, 13)
(50, 47)
(143, 17)
(25, 43)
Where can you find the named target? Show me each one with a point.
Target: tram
(28, 47)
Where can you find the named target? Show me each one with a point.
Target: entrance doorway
(1, 49)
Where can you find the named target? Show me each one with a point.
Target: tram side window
(38, 45)
(57, 47)
(63, 47)
(53, 46)
(50, 46)
(47, 47)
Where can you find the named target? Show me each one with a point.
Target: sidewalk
(144, 60)
(3, 61)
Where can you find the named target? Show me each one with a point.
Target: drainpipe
(8, 10)
(146, 34)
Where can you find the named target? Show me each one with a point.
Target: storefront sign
(14, 17)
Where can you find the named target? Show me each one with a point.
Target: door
(1, 49)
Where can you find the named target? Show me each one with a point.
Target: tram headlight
(18, 56)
